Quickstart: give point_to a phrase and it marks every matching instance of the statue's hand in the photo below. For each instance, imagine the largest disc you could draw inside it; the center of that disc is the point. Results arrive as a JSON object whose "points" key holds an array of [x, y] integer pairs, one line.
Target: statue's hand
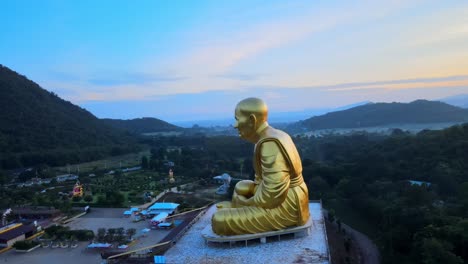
{"points": [[224, 204], [240, 200]]}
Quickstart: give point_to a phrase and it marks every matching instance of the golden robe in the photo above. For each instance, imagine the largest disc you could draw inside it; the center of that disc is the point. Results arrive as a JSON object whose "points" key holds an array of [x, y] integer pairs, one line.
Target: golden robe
{"points": [[280, 196]]}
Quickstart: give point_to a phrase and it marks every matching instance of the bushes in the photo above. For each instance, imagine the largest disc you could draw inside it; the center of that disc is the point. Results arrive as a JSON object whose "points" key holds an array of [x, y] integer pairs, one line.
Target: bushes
{"points": [[25, 245], [82, 235], [118, 235], [88, 198], [62, 232]]}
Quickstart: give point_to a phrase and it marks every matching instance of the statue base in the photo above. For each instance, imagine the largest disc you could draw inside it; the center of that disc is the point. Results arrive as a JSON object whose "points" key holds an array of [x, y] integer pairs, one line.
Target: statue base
{"points": [[304, 244], [297, 231]]}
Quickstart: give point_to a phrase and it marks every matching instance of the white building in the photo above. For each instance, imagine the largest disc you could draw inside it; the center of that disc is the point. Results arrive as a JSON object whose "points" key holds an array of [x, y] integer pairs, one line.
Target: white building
{"points": [[66, 177]]}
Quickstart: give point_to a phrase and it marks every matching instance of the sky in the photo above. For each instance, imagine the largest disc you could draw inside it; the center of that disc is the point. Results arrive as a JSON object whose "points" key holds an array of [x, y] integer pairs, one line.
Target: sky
{"points": [[194, 60]]}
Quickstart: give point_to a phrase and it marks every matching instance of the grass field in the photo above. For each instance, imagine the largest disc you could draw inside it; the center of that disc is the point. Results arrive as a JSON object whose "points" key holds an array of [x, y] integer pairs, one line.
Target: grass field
{"points": [[123, 161]]}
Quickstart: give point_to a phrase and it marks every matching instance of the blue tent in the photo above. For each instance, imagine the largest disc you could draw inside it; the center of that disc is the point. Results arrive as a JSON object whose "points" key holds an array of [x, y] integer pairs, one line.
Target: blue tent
{"points": [[159, 259]]}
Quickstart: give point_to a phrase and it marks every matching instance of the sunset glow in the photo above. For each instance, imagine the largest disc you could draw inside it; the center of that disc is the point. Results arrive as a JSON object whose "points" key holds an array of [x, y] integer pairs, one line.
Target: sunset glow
{"points": [[122, 59]]}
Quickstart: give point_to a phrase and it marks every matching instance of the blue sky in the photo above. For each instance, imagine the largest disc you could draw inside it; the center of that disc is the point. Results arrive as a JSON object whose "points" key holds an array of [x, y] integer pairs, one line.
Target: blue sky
{"points": [[193, 60]]}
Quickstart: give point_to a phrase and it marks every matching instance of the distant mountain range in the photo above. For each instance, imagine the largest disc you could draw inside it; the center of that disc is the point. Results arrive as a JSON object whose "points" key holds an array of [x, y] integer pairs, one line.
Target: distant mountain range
{"points": [[273, 117], [39, 127], [381, 114], [142, 125], [460, 100]]}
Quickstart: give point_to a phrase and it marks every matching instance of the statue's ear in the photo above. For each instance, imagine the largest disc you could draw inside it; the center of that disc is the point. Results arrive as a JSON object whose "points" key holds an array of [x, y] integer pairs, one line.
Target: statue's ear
{"points": [[253, 120]]}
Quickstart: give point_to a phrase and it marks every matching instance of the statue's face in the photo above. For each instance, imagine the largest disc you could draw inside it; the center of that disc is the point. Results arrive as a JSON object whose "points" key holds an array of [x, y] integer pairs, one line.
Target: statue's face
{"points": [[244, 125]]}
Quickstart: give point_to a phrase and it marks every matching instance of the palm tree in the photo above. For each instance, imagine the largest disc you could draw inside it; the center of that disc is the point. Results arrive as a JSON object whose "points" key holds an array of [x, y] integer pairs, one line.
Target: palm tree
{"points": [[131, 232], [111, 232], [101, 233], [119, 234]]}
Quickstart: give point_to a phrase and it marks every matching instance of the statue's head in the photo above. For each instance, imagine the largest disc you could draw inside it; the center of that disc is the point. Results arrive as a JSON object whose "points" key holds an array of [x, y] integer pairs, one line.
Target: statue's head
{"points": [[250, 114]]}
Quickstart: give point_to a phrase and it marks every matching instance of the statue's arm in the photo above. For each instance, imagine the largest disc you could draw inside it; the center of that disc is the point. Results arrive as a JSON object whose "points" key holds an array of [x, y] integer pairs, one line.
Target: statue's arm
{"points": [[273, 188]]}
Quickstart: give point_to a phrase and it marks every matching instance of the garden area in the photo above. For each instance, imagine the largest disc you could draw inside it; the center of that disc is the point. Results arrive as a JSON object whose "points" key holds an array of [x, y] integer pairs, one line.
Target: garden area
{"points": [[118, 236], [62, 236], [193, 198], [122, 189], [25, 245]]}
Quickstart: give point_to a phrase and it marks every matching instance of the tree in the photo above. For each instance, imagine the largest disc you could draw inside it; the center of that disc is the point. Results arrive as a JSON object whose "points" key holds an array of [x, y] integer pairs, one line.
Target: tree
{"points": [[65, 206], [101, 233], [317, 186], [88, 198], [144, 162], [114, 198], [3, 177], [110, 234], [131, 232], [26, 175], [119, 233], [347, 244], [331, 215], [433, 252]]}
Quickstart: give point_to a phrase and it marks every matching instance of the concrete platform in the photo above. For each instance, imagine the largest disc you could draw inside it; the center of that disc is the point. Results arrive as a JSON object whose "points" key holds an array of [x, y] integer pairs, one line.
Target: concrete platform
{"points": [[286, 247], [297, 231]]}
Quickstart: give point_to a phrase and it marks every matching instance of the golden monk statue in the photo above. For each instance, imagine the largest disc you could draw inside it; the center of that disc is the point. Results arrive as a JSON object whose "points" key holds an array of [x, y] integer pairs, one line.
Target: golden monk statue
{"points": [[278, 198]]}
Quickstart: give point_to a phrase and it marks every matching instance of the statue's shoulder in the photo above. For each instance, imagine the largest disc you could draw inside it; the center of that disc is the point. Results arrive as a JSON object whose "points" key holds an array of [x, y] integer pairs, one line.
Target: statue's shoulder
{"points": [[273, 134], [284, 143]]}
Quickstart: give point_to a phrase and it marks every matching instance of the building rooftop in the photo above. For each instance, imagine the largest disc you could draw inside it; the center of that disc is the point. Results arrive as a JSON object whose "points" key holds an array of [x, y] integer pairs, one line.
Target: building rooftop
{"points": [[420, 183], [15, 232], [163, 206]]}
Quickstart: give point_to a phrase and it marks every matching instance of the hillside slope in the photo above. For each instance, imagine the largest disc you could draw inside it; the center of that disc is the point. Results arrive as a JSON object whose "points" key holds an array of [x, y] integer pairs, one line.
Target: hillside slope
{"points": [[142, 125], [37, 123], [380, 114]]}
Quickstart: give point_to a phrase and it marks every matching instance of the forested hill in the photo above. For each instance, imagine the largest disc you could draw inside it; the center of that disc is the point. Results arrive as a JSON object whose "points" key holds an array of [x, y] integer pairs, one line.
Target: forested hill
{"points": [[39, 127], [142, 125], [368, 175], [381, 114]]}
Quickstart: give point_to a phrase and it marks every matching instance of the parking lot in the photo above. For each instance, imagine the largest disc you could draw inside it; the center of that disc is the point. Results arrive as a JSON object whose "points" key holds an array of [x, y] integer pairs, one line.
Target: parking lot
{"points": [[113, 218], [97, 218]]}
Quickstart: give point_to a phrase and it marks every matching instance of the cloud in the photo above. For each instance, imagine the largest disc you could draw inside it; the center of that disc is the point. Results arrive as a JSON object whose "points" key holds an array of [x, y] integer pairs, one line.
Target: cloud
{"points": [[220, 55], [220, 51], [134, 78], [240, 76], [223, 59], [400, 84], [447, 25], [220, 104], [115, 78]]}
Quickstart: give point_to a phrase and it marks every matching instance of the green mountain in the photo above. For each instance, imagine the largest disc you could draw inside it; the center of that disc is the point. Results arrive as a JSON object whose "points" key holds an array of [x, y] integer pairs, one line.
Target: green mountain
{"points": [[381, 114], [39, 127], [142, 125]]}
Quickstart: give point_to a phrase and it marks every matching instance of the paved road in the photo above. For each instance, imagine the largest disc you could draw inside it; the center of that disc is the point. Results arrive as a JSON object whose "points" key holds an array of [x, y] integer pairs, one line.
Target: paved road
{"points": [[368, 250]]}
